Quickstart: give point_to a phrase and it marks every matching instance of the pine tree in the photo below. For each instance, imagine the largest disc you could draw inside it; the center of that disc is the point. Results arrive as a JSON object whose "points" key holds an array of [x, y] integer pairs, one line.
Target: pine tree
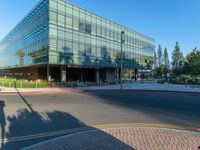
{"points": [[192, 65], [155, 60], [166, 59], [159, 56], [177, 60]]}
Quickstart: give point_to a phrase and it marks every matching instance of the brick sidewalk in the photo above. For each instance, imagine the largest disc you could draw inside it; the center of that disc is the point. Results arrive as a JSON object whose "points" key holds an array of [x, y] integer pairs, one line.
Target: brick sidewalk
{"points": [[125, 138]]}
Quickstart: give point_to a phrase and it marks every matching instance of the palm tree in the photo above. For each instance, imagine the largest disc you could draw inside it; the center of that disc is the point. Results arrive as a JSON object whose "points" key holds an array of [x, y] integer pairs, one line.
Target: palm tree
{"points": [[39, 56], [21, 54]]}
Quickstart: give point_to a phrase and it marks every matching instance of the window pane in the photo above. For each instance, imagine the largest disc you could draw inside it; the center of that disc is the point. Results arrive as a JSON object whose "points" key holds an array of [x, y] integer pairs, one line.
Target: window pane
{"points": [[68, 22], [53, 31], [88, 49], [75, 24], [68, 35], [68, 47], [75, 46], [94, 29], [53, 16], [88, 28], [61, 7], [61, 20], [68, 9], [75, 37], [61, 34], [53, 4], [81, 27], [75, 12]]}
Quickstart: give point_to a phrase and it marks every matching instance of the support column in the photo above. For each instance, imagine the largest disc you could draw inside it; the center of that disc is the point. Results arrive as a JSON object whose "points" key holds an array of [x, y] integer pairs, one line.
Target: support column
{"points": [[97, 75], [110, 75], [82, 74], [136, 74], [48, 73], [117, 74], [63, 73]]}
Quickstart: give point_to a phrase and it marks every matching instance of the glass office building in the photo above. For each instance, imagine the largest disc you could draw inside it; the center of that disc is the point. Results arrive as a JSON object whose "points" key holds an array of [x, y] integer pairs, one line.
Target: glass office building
{"points": [[61, 41]]}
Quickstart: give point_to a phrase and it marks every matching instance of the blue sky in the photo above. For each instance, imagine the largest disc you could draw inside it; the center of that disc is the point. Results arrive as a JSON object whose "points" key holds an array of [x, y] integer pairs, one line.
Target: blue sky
{"points": [[167, 21]]}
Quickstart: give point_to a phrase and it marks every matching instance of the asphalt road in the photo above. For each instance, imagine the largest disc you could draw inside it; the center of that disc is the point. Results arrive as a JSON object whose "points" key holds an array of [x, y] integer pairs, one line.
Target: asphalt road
{"points": [[29, 119]]}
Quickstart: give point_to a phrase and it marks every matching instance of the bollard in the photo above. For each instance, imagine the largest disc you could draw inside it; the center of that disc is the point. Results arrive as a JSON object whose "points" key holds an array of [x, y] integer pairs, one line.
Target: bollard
{"points": [[186, 82]]}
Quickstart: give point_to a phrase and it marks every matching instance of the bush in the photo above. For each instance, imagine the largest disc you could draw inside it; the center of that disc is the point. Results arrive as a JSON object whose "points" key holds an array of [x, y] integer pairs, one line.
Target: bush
{"points": [[13, 83], [182, 80], [161, 81]]}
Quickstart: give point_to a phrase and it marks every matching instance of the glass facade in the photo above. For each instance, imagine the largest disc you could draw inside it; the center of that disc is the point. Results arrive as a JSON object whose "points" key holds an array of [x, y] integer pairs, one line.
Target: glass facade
{"points": [[29, 36], [57, 32]]}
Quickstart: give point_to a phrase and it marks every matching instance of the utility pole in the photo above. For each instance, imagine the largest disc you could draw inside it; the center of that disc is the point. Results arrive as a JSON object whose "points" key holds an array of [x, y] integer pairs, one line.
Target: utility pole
{"points": [[121, 71]]}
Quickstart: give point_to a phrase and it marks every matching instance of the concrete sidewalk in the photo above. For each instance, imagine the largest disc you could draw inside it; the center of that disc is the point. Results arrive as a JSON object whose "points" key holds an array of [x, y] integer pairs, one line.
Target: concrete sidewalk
{"points": [[126, 86]]}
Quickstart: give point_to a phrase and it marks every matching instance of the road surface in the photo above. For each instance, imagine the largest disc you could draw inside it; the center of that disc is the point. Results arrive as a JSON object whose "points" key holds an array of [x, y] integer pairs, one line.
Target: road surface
{"points": [[29, 119]]}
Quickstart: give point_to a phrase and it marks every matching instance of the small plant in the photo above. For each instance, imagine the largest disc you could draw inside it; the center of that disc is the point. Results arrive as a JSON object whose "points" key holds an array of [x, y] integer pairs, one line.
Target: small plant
{"points": [[161, 81]]}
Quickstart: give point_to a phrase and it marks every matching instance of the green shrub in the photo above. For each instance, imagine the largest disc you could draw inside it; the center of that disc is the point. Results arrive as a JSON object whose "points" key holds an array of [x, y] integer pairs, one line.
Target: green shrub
{"points": [[13, 83], [182, 80], [161, 81]]}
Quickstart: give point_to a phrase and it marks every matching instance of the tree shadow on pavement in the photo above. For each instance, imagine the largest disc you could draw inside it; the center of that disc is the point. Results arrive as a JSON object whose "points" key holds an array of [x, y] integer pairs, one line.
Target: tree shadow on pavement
{"points": [[2, 123], [30, 127], [24, 100]]}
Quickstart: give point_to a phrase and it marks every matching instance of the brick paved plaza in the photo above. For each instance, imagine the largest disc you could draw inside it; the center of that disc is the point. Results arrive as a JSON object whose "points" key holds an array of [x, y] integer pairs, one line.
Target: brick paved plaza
{"points": [[125, 138]]}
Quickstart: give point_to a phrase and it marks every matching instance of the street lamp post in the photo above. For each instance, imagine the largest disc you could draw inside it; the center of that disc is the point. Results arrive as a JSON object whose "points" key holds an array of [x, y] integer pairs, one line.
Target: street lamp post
{"points": [[122, 41]]}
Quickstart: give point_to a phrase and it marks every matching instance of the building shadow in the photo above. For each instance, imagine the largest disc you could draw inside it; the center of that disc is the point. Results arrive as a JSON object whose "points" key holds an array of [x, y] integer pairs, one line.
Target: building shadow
{"points": [[2, 123], [30, 127], [170, 108]]}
